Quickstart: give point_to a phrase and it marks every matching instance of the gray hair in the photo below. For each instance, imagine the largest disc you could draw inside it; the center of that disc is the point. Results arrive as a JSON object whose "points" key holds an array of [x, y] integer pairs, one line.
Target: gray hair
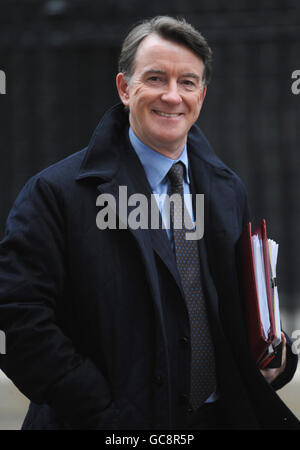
{"points": [[176, 30]]}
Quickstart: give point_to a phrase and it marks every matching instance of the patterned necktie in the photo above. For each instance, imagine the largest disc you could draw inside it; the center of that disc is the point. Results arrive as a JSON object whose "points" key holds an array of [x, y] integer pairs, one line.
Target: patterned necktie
{"points": [[203, 379]]}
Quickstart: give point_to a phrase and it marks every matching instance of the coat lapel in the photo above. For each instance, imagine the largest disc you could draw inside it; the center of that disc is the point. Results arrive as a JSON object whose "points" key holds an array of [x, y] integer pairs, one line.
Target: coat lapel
{"points": [[131, 174], [213, 179], [202, 183], [111, 160]]}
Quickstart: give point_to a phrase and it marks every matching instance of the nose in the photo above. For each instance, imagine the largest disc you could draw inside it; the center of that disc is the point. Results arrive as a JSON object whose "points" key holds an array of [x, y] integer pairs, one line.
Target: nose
{"points": [[171, 94]]}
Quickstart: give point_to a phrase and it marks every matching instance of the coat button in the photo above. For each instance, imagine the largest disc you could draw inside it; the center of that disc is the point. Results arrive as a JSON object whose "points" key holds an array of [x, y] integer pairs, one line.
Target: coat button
{"points": [[157, 379], [183, 399], [184, 341]]}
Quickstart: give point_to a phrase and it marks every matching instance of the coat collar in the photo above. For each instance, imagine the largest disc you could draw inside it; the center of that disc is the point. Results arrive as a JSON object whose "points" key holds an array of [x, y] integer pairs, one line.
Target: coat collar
{"points": [[109, 146], [103, 154]]}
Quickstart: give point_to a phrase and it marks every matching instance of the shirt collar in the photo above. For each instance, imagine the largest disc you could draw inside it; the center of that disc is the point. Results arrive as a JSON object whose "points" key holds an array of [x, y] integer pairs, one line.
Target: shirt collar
{"points": [[155, 164]]}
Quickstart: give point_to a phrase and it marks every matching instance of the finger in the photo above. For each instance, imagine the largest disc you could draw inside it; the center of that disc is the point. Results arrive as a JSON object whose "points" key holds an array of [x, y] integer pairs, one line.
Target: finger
{"points": [[283, 338]]}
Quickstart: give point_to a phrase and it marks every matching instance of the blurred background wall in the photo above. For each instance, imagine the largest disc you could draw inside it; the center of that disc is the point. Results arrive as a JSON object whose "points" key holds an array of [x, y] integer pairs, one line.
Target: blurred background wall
{"points": [[60, 60]]}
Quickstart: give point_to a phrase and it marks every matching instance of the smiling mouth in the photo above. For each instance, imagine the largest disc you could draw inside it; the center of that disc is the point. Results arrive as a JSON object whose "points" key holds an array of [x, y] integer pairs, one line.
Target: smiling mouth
{"points": [[169, 115]]}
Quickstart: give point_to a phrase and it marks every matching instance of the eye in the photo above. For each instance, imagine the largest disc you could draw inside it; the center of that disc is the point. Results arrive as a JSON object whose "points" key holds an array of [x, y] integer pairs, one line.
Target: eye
{"points": [[188, 84], [154, 78]]}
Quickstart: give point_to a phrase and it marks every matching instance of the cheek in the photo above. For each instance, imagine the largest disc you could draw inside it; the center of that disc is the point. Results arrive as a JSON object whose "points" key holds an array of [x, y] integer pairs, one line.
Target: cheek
{"points": [[197, 105], [194, 102], [136, 100], [142, 95], [138, 92], [199, 100]]}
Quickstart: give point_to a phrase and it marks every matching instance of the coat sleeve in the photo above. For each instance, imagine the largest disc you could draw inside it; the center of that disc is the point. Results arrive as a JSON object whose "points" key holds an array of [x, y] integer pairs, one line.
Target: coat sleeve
{"points": [[290, 369], [40, 359]]}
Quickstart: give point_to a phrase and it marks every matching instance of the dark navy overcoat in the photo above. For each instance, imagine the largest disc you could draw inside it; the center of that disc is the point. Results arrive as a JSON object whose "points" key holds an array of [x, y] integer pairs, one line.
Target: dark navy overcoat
{"points": [[97, 331]]}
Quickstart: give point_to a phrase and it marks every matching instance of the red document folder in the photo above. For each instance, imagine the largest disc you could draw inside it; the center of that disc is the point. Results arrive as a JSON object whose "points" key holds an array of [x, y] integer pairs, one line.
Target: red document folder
{"points": [[260, 343]]}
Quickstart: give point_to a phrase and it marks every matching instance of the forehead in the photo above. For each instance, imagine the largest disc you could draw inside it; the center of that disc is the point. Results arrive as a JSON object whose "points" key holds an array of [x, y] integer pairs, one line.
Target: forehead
{"points": [[155, 50]]}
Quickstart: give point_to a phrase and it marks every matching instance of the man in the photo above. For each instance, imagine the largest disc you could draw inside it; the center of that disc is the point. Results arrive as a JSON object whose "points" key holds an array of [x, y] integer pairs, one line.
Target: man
{"points": [[109, 327]]}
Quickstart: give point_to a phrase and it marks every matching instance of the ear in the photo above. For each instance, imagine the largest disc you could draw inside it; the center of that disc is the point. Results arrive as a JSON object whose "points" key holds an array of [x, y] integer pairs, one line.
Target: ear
{"points": [[202, 95], [123, 88]]}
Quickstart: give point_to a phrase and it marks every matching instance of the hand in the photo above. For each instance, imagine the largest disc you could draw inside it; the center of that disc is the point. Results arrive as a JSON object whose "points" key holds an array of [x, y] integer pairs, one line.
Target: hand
{"points": [[271, 374]]}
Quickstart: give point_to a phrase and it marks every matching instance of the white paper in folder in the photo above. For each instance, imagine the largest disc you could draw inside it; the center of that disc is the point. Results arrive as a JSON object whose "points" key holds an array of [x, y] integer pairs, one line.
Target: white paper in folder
{"points": [[261, 286], [273, 253]]}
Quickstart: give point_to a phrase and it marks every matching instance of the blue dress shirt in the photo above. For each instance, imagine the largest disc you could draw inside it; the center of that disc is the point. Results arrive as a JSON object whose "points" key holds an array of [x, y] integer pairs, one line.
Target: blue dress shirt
{"points": [[156, 167]]}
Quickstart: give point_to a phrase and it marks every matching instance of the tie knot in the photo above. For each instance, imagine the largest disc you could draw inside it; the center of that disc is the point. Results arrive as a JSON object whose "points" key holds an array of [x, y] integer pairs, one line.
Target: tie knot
{"points": [[176, 174]]}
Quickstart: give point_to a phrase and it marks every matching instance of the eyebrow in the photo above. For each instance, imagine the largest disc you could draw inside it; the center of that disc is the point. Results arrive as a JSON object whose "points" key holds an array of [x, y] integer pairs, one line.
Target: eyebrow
{"points": [[162, 72], [192, 75], [157, 71]]}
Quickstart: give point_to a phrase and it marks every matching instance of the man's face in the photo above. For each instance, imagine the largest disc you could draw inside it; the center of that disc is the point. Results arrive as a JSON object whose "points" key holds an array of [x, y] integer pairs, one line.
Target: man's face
{"points": [[164, 94]]}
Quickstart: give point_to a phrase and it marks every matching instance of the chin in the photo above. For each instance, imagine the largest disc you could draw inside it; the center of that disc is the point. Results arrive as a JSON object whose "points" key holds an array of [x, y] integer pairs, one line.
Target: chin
{"points": [[170, 140]]}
